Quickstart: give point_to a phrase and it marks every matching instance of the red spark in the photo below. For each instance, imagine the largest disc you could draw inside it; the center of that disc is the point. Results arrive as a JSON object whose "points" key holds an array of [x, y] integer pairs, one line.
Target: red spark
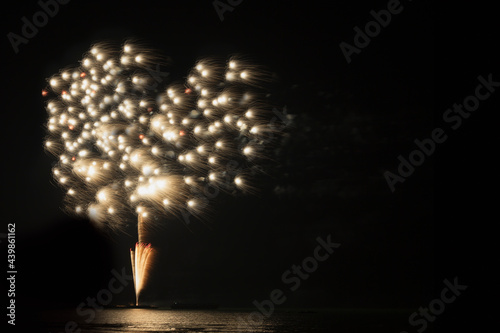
{"points": [[64, 92], [187, 91], [82, 74], [73, 158], [44, 92], [182, 133], [71, 127], [150, 109], [141, 136]]}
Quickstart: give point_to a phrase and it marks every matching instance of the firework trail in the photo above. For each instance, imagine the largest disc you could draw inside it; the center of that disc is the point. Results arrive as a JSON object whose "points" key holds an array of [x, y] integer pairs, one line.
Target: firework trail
{"points": [[125, 146], [141, 258]]}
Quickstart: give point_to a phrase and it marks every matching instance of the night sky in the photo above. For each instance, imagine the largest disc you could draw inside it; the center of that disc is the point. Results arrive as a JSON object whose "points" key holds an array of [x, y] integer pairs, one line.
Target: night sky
{"points": [[350, 124]]}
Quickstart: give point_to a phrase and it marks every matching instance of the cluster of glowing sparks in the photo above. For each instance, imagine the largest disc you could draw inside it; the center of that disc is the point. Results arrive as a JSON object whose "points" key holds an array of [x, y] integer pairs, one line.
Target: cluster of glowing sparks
{"points": [[125, 146]]}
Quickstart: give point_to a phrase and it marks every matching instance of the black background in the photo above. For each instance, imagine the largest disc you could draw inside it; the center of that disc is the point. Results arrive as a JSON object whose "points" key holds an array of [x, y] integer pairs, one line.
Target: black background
{"points": [[352, 121]]}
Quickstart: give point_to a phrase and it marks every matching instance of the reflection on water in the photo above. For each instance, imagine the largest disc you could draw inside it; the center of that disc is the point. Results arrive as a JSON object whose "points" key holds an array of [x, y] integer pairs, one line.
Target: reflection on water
{"points": [[150, 320], [161, 320]]}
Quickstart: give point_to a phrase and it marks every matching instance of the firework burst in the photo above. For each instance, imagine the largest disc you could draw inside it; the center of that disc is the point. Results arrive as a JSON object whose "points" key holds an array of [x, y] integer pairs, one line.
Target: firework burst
{"points": [[126, 146], [123, 147]]}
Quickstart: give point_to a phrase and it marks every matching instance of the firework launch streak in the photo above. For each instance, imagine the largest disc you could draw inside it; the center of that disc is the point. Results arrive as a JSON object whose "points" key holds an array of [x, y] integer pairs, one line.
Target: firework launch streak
{"points": [[11, 274]]}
